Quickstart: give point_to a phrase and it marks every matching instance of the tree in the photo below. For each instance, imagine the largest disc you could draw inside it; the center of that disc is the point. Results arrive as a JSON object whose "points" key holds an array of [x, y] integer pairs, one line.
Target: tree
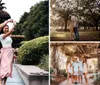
{"points": [[64, 9], [1, 5], [98, 51], [3, 15], [54, 61], [21, 24], [90, 10], [35, 23]]}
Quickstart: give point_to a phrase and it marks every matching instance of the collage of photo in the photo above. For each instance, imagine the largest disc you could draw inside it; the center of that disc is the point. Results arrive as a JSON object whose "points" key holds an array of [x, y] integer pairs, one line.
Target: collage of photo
{"points": [[74, 42], [50, 42]]}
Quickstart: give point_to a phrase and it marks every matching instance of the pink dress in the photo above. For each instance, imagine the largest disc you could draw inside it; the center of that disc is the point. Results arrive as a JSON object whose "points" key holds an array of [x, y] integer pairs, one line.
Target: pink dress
{"points": [[6, 57]]}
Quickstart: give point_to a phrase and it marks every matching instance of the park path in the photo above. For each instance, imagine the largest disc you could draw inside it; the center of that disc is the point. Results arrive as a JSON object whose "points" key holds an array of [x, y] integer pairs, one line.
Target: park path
{"points": [[90, 82], [16, 79]]}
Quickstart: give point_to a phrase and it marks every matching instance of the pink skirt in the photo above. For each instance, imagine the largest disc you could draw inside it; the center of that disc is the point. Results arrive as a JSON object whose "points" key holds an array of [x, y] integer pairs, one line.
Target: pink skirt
{"points": [[6, 62]]}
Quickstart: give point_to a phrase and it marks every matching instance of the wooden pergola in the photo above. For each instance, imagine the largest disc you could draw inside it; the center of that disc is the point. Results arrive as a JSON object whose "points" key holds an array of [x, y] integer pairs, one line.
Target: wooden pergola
{"points": [[89, 50]]}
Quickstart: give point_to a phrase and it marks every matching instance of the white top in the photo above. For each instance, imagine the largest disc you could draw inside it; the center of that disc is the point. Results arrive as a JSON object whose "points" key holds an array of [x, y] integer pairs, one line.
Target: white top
{"points": [[69, 67], [80, 66], [7, 42], [84, 68], [76, 66], [75, 21]]}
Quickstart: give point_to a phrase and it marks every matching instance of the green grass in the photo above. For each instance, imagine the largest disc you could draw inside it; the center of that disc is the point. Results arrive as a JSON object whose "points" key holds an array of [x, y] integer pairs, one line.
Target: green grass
{"points": [[84, 36]]}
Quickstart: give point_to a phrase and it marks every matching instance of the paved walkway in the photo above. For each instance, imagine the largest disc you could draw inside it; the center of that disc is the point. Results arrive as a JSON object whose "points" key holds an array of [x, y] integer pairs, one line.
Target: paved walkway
{"points": [[90, 82], [16, 79]]}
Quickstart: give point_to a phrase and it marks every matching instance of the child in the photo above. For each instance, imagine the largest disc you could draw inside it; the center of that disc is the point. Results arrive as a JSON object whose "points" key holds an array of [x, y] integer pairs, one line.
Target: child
{"points": [[75, 71], [80, 69]]}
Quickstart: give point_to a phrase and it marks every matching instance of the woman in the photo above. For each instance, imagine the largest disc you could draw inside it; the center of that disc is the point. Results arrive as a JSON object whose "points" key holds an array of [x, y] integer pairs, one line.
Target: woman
{"points": [[85, 69], [6, 51], [71, 28], [68, 69]]}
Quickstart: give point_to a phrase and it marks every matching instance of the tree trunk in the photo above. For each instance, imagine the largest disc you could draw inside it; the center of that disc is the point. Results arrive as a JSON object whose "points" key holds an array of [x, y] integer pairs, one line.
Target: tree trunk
{"points": [[98, 51], [84, 26], [54, 61], [53, 56], [65, 24], [97, 27]]}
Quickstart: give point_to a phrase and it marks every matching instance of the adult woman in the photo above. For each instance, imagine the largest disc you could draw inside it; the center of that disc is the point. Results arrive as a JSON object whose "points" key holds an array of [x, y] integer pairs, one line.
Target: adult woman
{"points": [[71, 28], [85, 69], [6, 51]]}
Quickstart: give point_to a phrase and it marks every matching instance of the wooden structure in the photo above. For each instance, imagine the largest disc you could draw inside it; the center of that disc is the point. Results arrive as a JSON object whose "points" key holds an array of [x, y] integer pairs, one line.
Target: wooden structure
{"points": [[89, 50], [61, 51]]}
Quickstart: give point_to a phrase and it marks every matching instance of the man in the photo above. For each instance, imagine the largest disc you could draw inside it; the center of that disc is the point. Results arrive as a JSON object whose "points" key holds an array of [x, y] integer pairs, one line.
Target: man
{"points": [[75, 24], [81, 69]]}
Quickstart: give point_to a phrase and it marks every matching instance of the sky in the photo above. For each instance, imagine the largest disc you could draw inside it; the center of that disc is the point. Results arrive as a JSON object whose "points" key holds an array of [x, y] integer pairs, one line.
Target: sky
{"points": [[16, 8]]}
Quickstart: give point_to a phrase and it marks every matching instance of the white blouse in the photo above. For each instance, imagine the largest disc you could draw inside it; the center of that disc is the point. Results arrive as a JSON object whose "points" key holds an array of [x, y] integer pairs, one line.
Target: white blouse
{"points": [[69, 68], [7, 42], [85, 69]]}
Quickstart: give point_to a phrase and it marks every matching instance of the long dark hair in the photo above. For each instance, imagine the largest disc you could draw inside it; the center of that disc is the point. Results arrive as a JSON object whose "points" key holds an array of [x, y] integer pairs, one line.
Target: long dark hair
{"points": [[1, 32]]}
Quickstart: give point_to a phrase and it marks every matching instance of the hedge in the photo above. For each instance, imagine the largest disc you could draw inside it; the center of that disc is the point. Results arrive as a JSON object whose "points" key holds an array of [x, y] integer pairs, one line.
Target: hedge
{"points": [[31, 52], [44, 63]]}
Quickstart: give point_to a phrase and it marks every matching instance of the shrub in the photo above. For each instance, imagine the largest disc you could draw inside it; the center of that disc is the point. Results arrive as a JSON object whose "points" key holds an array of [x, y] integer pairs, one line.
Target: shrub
{"points": [[64, 73], [44, 63], [51, 70], [97, 81], [30, 52]]}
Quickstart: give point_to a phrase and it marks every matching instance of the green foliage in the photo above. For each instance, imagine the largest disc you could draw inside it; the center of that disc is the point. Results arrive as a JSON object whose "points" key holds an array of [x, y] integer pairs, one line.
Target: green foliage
{"points": [[87, 11], [44, 63], [35, 23], [64, 73], [2, 5], [31, 52], [97, 81], [51, 70]]}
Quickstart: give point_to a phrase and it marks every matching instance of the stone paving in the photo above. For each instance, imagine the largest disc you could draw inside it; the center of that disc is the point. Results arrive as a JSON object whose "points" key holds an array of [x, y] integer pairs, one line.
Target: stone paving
{"points": [[16, 79], [90, 82]]}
